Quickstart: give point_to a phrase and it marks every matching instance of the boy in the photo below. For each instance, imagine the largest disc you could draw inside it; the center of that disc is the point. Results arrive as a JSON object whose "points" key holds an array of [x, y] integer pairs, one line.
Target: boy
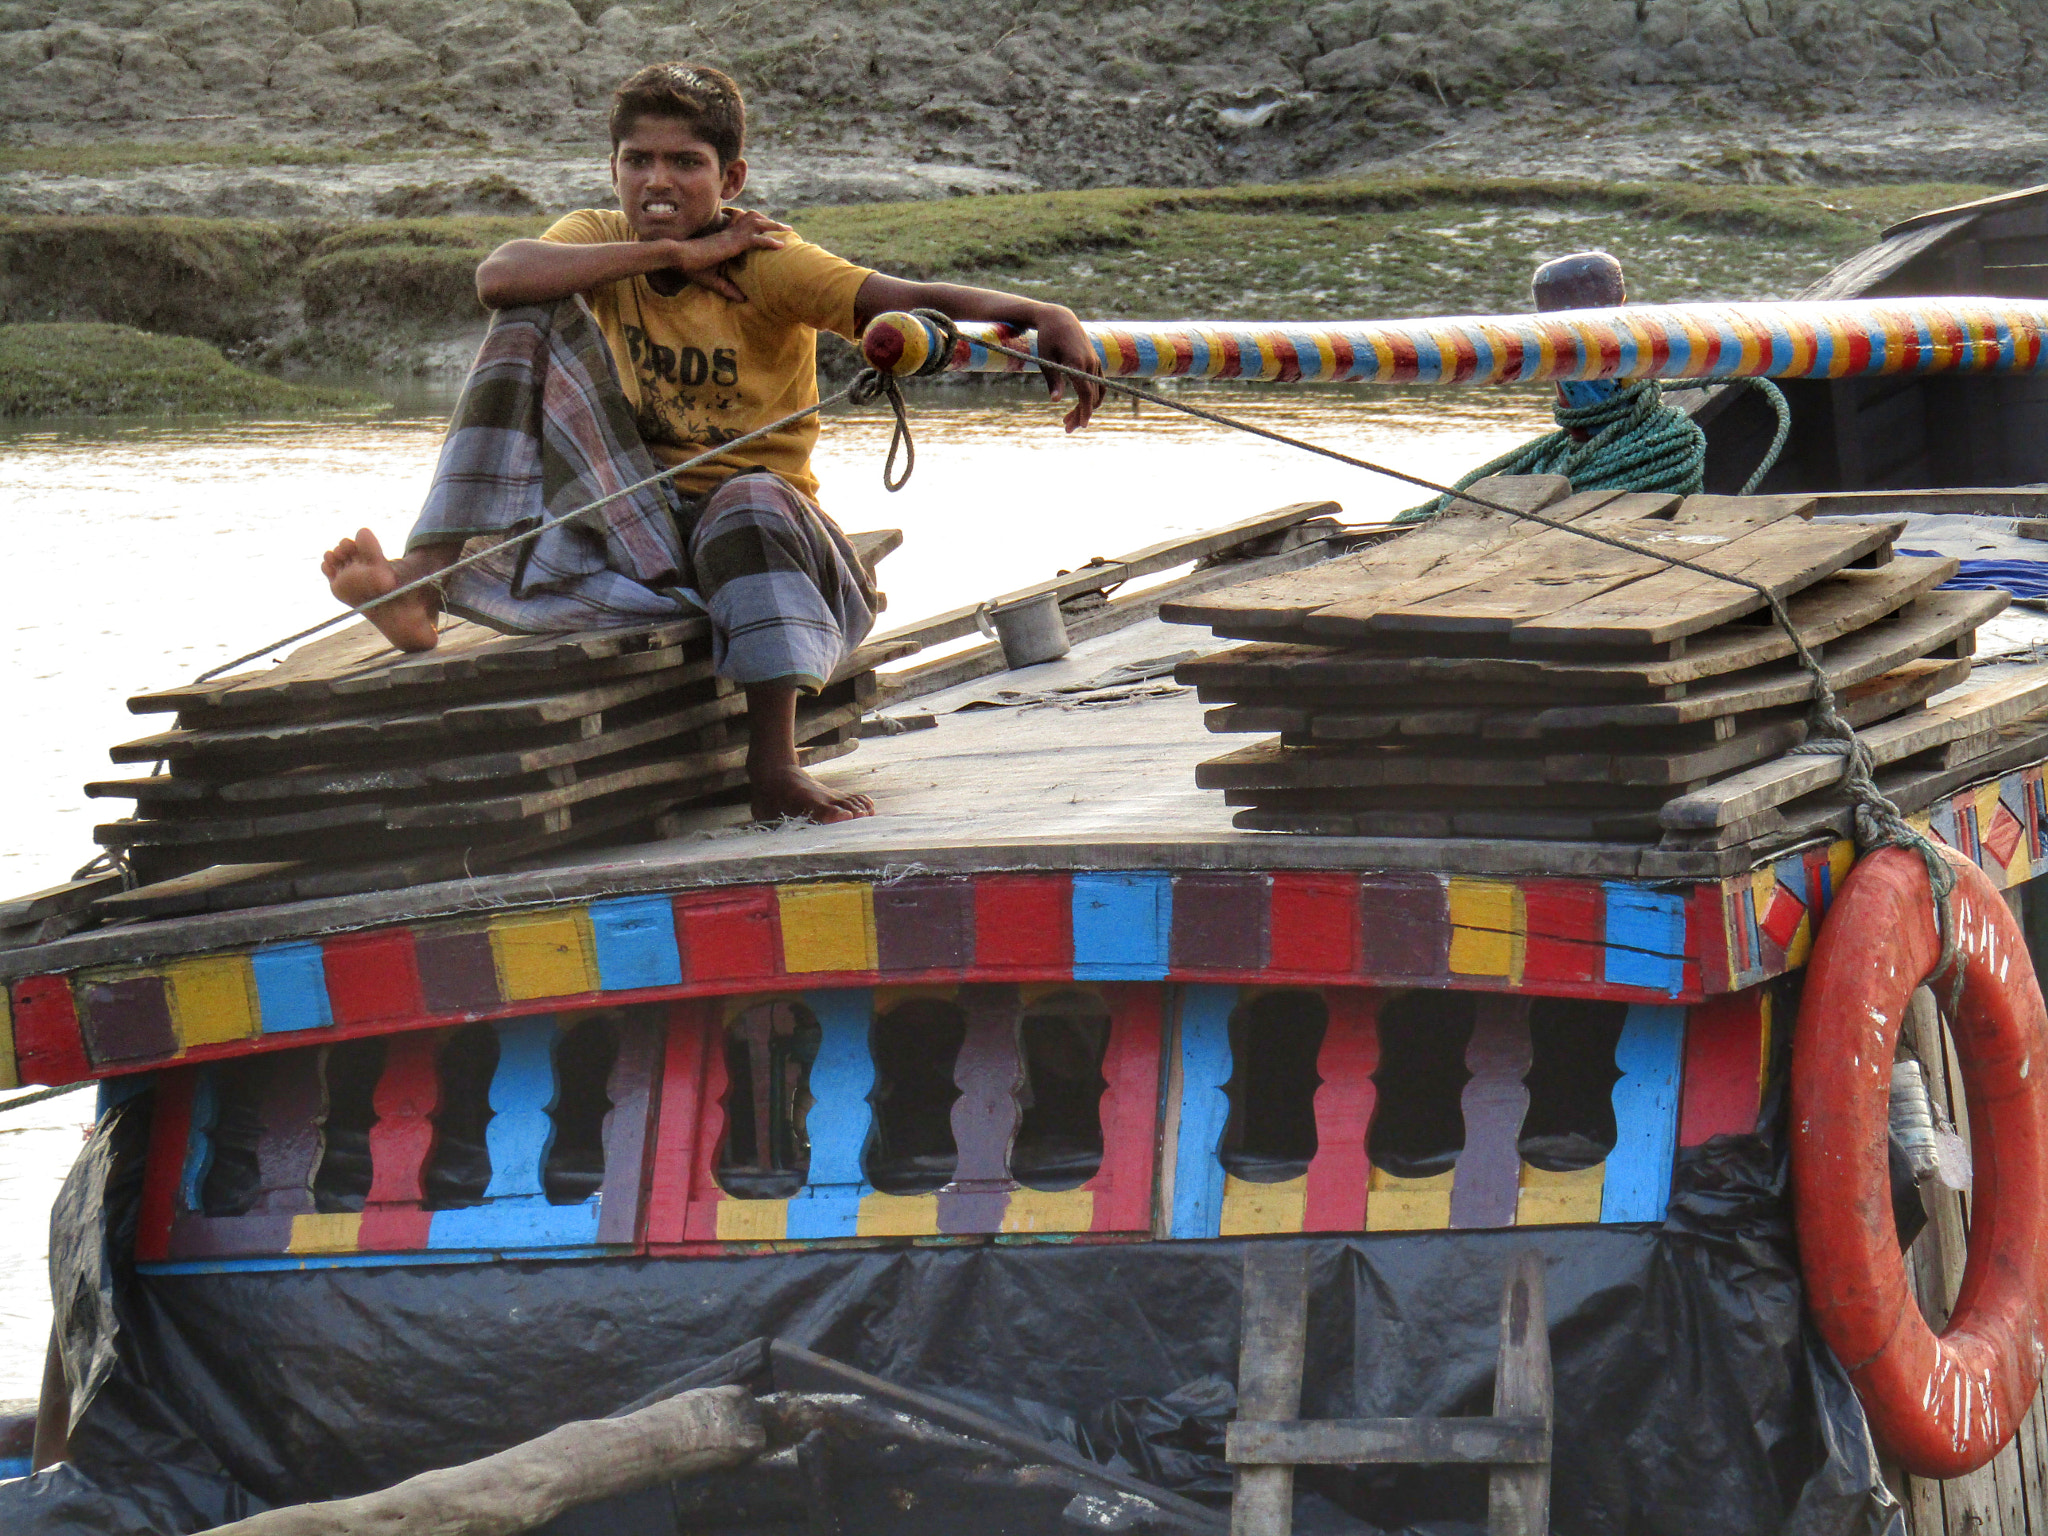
{"points": [[639, 338]]}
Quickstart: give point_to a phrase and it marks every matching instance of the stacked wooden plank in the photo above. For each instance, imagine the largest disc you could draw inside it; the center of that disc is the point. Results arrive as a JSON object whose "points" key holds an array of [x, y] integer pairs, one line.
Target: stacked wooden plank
{"points": [[353, 766], [1484, 676]]}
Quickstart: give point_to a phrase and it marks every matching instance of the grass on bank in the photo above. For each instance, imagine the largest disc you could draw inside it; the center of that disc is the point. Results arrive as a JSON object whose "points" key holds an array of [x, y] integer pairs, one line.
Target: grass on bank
{"points": [[1383, 247], [113, 370]]}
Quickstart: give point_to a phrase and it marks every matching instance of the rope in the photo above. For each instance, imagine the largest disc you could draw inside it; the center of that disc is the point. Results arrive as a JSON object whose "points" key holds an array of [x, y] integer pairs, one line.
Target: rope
{"points": [[47, 1093], [1878, 822], [1630, 441]]}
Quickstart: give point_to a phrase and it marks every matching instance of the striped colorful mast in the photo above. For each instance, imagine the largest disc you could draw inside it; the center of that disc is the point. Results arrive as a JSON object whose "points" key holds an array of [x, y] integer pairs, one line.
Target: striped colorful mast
{"points": [[1814, 340]]}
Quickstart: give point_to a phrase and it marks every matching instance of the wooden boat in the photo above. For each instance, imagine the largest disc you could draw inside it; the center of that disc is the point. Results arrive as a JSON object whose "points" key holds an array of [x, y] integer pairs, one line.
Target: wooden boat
{"points": [[1010, 1097]]}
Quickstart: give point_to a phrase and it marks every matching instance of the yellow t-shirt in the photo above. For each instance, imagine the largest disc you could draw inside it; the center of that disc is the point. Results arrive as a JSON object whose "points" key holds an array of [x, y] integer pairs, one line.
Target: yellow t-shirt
{"points": [[700, 370]]}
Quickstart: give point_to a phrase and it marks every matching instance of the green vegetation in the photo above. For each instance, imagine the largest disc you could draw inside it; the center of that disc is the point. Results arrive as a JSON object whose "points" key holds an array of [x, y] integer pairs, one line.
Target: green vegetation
{"points": [[415, 271], [1385, 247], [113, 370]]}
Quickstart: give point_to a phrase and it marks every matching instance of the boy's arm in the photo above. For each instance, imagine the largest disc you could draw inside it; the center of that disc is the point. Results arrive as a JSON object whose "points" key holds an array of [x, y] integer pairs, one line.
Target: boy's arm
{"points": [[541, 271], [1060, 336]]}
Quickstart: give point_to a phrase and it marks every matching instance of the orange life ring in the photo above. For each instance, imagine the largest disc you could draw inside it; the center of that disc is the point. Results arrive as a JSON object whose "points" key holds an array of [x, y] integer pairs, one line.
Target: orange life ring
{"points": [[1943, 1406]]}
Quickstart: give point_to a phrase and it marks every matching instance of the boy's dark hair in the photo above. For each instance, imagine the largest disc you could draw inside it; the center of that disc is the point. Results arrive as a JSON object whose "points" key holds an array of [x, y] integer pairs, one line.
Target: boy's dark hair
{"points": [[696, 94]]}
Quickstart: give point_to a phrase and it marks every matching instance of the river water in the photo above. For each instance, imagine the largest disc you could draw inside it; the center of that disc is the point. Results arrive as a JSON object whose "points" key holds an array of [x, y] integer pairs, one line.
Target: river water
{"points": [[146, 551]]}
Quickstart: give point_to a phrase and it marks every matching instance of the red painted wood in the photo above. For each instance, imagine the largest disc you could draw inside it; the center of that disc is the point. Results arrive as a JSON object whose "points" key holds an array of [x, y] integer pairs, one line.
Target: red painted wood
{"points": [[393, 1229], [373, 977], [48, 1049], [732, 936], [1131, 1065], [170, 1132], [1550, 962], [1339, 1173], [631, 1090], [677, 1114], [402, 1140], [1313, 928], [1724, 1044], [1023, 924], [1565, 909], [705, 1191]]}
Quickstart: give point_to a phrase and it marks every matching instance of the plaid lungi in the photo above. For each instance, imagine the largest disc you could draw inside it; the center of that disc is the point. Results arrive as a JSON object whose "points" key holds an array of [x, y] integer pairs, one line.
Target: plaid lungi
{"points": [[542, 428]]}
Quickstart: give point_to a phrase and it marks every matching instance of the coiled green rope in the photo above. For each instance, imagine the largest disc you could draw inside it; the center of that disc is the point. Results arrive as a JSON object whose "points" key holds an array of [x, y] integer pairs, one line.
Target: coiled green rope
{"points": [[1634, 442]]}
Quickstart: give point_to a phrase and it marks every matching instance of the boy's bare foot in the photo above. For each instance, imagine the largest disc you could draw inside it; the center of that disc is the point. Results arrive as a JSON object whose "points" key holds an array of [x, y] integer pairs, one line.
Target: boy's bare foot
{"points": [[356, 571], [789, 791]]}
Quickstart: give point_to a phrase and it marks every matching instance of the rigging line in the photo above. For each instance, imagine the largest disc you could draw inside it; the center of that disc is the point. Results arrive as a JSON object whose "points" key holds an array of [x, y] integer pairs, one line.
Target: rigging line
{"points": [[1878, 821], [859, 391]]}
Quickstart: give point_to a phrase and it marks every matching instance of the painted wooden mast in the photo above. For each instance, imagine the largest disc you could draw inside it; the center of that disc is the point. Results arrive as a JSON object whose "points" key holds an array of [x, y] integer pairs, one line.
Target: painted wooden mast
{"points": [[1814, 340]]}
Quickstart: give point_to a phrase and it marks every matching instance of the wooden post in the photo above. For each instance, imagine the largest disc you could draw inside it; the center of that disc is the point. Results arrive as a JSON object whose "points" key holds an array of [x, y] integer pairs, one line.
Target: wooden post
{"points": [[529, 1485], [1269, 1378], [1518, 1496], [1266, 1442]]}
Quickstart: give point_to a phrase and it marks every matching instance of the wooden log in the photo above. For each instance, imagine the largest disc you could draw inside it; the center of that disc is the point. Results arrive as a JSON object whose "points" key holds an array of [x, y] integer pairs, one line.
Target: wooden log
{"points": [[1518, 1497], [516, 1490], [1388, 1442], [1269, 1366]]}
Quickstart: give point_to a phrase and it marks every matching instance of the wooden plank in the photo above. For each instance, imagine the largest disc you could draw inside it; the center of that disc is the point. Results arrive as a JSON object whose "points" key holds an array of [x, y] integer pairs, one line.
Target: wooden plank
{"points": [[1118, 613], [1272, 1348], [1772, 784], [321, 739], [1783, 558], [1354, 615], [407, 1097], [1284, 601], [1518, 1497], [1387, 1442], [1570, 573], [1845, 603], [1494, 1101], [1099, 574], [1921, 628], [293, 1116]]}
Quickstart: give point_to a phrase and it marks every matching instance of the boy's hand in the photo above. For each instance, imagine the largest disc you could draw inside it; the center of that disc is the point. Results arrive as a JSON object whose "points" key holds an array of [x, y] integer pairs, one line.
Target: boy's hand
{"points": [[1062, 340], [700, 258]]}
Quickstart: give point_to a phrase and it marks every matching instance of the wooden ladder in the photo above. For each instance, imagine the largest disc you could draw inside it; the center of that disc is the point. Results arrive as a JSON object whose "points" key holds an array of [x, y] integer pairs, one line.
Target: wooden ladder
{"points": [[1268, 1440]]}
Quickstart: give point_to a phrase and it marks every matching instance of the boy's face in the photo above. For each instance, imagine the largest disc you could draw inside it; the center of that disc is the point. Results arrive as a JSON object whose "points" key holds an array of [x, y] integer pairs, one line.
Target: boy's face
{"points": [[669, 181]]}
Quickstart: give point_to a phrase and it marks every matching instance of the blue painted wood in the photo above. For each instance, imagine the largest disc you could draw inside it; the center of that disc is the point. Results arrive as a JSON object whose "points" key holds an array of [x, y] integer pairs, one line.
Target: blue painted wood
{"points": [[1637, 1185], [1645, 938], [199, 1141], [1123, 925], [291, 987], [841, 1115], [515, 1224], [522, 1092], [1205, 1066], [636, 943]]}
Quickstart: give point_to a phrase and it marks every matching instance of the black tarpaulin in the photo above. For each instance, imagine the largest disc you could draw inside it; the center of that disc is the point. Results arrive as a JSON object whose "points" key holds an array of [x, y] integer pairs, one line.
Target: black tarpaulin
{"points": [[1691, 1396]]}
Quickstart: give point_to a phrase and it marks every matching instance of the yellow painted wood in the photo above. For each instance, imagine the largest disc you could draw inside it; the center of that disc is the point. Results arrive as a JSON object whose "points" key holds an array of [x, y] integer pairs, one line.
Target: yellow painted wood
{"points": [[1050, 1210], [10, 1076], [898, 1216], [1841, 859], [1489, 929], [1802, 942], [1249, 1209], [335, 1232], [1763, 1055], [544, 954], [753, 1221], [827, 927], [1552, 1199], [212, 999], [1409, 1205], [891, 997]]}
